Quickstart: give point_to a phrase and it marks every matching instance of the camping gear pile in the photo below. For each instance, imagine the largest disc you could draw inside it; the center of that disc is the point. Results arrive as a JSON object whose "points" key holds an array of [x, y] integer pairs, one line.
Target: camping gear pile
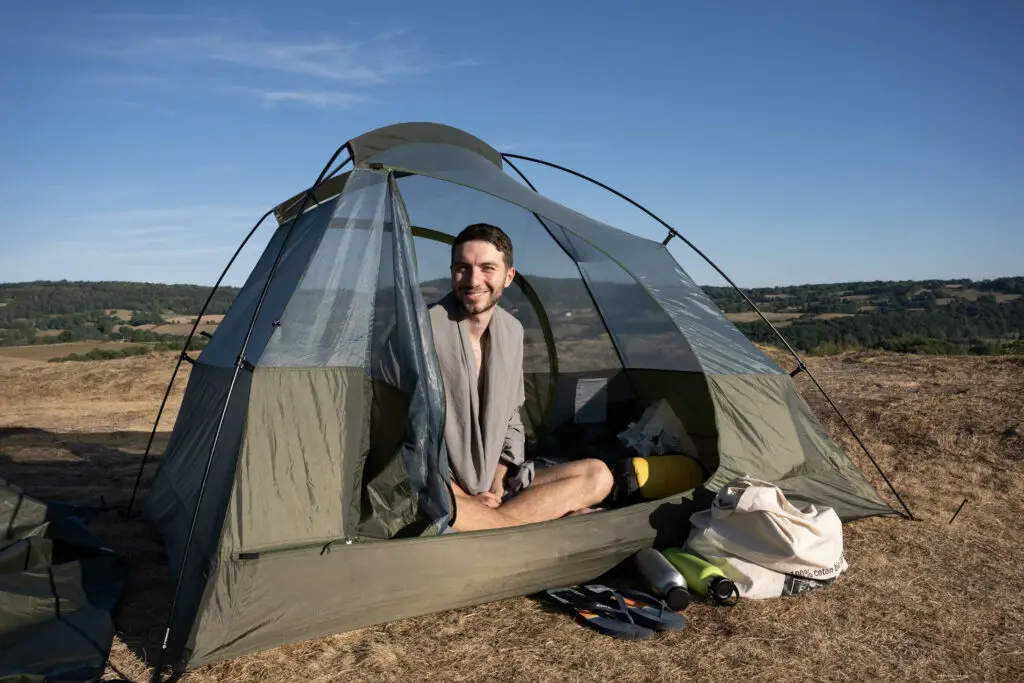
{"points": [[298, 487], [751, 543], [59, 588]]}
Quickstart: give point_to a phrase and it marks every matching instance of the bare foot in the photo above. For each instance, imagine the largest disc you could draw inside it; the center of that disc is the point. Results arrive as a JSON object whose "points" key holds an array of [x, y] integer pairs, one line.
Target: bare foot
{"points": [[584, 511]]}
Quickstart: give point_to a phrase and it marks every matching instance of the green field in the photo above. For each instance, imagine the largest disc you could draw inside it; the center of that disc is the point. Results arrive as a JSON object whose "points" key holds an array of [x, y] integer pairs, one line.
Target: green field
{"points": [[45, 352]]}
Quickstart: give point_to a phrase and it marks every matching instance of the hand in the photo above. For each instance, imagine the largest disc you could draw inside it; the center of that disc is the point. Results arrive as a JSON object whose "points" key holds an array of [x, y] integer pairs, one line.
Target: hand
{"points": [[498, 485], [489, 499]]}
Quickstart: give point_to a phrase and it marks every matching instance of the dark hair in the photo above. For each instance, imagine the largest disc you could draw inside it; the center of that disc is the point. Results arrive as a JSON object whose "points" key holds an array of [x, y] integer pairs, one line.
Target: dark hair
{"points": [[485, 232]]}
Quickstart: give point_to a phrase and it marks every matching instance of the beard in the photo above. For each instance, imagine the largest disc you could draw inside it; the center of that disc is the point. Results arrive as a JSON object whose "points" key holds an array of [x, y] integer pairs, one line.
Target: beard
{"points": [[479, 305]]}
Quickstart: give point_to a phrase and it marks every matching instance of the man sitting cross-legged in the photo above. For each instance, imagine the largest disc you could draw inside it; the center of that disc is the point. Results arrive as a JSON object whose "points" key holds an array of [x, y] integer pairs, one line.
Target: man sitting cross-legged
{"points": [[480, 351]]}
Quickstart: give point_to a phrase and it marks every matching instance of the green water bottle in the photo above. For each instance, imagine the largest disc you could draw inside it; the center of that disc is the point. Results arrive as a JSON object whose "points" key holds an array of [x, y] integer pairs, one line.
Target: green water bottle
{"points": [[702, 577]]}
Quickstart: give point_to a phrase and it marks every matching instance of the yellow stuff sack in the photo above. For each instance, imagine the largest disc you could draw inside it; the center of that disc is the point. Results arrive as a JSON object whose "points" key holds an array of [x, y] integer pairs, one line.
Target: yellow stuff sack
{"points": [[656, 477]]}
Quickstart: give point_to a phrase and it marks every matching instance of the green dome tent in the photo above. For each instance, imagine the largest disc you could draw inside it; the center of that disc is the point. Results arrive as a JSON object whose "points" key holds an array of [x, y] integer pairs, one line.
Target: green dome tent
{"points": [[299, 495]]}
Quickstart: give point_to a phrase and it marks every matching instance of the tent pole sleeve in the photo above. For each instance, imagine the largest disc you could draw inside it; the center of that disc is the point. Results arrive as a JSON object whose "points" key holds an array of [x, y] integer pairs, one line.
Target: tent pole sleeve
{"points": [[675, 233], [184, 351], [241, 362]]}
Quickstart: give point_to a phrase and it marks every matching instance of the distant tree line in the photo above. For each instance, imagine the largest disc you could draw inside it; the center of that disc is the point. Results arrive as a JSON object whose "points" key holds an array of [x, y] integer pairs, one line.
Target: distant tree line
{"points": [[931, 316], [81, 310], [37, 300], [980, 327], [849, 297]]}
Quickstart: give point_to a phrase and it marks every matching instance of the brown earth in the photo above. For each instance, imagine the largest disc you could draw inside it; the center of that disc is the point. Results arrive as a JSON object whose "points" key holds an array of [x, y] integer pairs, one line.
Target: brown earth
{"points": [[923, 600]]}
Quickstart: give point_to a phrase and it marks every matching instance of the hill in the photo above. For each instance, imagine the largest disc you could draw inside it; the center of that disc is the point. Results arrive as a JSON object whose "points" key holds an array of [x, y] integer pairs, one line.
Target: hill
{"points": [[929, 316], [61, 312], [926, 316], [923, 600]]}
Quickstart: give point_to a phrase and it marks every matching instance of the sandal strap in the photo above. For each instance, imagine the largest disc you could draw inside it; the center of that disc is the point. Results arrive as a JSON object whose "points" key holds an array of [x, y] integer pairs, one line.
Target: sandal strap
{"points": [[646, 597], [580, 602]]}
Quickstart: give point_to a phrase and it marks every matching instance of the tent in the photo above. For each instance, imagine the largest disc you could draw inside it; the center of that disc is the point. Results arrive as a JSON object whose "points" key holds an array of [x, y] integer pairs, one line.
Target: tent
{"points": [[300, 495]]}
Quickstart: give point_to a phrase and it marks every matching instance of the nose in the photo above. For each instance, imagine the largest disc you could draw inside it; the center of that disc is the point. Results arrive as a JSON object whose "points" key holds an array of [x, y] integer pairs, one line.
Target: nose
{"points": [[477, 278]]}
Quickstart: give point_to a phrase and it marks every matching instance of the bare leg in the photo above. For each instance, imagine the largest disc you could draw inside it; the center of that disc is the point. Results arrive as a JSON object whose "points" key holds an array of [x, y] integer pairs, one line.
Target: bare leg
{"points": [[473, 515], [559, 490]]}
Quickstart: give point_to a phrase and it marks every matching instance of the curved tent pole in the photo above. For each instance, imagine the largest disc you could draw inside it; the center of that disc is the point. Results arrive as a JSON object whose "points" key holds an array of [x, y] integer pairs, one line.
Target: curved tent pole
{"points": [[801, 366], [239, 365]]}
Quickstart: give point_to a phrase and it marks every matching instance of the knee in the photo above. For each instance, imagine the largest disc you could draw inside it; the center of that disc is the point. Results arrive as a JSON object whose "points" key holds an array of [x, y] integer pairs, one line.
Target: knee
{"points": [[600, 477]]}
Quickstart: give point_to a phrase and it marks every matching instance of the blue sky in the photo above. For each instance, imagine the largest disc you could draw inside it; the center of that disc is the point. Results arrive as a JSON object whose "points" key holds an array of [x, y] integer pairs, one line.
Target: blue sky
{"points": [[793, 142]]}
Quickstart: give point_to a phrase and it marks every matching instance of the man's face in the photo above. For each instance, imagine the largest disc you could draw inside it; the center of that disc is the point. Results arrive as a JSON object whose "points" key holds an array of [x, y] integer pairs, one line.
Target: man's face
{"points": [[479, 276]]}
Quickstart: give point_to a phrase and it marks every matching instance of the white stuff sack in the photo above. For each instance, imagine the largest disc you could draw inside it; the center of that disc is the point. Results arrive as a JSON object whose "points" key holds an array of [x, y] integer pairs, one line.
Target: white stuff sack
{"points": [[659, 431], [766, 545]]}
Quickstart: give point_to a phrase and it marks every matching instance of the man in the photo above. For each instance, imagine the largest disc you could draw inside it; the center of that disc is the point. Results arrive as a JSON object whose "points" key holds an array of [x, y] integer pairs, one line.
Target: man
{"points": [[480, 352]]}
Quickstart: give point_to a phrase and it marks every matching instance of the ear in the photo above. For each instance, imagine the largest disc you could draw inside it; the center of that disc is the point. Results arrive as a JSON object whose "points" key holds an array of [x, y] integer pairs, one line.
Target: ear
{"points": [[509, 276]]}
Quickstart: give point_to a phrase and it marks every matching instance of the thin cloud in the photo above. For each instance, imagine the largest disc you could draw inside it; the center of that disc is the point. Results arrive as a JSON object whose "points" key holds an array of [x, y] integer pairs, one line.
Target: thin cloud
{"points": [[216, 57], [315, 98], [378, 60], [153, 243]]}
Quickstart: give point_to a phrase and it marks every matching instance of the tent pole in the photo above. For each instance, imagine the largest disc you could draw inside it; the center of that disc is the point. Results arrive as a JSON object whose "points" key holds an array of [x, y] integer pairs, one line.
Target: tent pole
{"points": [[239, 364], [675, 233], [184, 352]]}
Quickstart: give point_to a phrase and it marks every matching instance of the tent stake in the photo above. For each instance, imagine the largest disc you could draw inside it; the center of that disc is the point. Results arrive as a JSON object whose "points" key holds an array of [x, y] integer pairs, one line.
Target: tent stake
{"points": [[958, 510], [675, 233]]}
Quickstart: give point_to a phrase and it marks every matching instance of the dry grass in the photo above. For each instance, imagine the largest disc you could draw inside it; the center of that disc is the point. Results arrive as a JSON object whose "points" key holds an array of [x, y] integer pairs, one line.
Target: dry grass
{"points": [[975, 294], [923, 600], [752, 316], [91, 397], [833, 316], [124, 314], [173, 328]]}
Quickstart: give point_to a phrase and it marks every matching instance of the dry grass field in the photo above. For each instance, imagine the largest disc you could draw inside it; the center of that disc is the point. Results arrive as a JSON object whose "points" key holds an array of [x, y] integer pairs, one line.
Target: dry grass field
{"points": [[177, 328], [778, 319], [923, 600]]}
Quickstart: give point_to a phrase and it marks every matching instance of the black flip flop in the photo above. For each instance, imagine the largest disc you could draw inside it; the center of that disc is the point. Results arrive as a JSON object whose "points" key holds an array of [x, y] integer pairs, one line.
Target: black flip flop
{"points": [[645, 610], [611, 620]]}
